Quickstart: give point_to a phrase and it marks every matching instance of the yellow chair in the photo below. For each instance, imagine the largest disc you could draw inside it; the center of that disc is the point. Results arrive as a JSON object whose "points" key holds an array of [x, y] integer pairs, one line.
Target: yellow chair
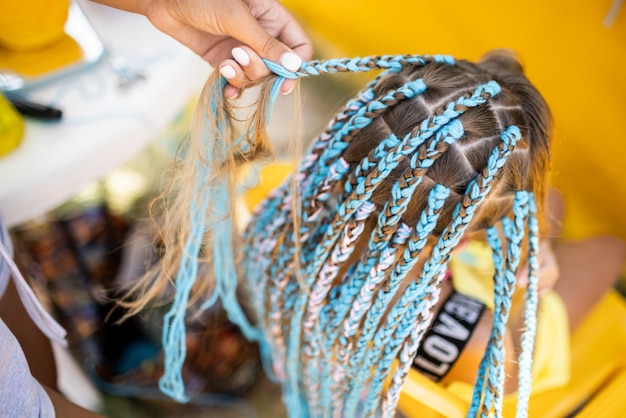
{"points": [[572, 53], [596, 387]]}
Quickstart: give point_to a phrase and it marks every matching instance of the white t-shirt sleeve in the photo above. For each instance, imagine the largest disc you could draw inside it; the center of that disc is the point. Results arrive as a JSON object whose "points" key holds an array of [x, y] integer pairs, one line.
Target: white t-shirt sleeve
{"points": [[21, 395]]}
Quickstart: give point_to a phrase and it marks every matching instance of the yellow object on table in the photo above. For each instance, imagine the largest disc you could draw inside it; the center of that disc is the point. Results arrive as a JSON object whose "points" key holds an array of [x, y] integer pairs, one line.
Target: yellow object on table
{"points": [[33, 41], [11, 127], [571, 52], [34, 63], [30, 24]]}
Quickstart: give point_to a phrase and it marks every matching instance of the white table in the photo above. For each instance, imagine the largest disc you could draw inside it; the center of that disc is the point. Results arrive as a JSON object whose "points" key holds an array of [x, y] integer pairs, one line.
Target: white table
{"points": [[103, 126]]}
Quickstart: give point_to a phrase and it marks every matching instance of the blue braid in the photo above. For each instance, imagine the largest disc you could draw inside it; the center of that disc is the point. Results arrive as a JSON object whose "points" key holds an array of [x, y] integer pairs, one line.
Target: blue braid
{"points": [[266, 213], [493, 239], [503, 290], [402, 192], [305, 221], [407, 146], [430, 126], [410, 256], [321, 143], [361, 119], [173, 338], [394, 63], [364, 300], [514, 232], [341, 253], [530, 312], [358, 120]]}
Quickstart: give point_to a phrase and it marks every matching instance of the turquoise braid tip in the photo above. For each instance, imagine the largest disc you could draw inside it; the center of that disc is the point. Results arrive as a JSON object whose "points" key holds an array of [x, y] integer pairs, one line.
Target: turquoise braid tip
{"points": [[280, 70], [175, 390], [513, 132], [455, 129], [493, 87]]}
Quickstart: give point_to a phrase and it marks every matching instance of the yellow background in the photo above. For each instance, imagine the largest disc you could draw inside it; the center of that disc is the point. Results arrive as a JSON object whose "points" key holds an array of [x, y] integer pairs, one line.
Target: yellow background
{"points": [[575, 61]]}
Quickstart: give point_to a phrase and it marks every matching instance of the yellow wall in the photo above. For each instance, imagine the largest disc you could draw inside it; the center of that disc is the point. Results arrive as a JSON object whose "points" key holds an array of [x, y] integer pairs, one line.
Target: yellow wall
{"points": [[577, 63]]}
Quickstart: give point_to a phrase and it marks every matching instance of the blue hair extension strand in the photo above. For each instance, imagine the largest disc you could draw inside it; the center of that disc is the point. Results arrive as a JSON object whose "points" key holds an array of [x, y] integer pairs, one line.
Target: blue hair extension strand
{"points": [[494, 241], [530, 312]]}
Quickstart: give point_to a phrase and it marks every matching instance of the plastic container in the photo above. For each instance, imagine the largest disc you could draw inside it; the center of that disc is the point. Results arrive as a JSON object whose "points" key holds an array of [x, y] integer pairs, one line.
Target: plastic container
{"points": [[11, 126]]}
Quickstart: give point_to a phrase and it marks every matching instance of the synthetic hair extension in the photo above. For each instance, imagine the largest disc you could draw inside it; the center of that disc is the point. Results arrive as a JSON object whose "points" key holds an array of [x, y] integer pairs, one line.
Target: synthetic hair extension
{"points": [[530, 311], [342, 264]]}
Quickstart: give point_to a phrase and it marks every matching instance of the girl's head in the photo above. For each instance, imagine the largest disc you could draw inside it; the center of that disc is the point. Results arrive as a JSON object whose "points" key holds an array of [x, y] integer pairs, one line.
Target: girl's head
{"points": [[424, 155], [518, 103], [430, 150]]}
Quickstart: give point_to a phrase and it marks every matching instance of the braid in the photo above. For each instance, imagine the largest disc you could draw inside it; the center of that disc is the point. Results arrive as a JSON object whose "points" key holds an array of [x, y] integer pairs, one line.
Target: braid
{"points": [[409, 258], [404, 189], [351, 108], [340, 254], [361, 118], [493, 239], [346, 347], [258, 279], [514, 232], [530, 312], [346, 210], [394, 63]]}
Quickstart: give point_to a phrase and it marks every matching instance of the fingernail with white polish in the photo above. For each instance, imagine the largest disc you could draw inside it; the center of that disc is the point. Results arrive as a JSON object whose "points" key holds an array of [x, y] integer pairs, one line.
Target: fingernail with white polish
{"points": [[290, 61], [240, 56], [228, 72], [288, 91]]}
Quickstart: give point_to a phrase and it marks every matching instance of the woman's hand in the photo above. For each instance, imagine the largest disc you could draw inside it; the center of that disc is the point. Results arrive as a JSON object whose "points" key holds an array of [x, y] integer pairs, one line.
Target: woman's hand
{"points": [[256, 28], [212, 28]]}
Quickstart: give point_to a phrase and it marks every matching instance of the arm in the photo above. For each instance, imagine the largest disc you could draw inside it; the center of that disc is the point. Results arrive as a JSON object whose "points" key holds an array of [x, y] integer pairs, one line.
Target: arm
{"points": [[32, 358], [67, 409], [589, 267]]}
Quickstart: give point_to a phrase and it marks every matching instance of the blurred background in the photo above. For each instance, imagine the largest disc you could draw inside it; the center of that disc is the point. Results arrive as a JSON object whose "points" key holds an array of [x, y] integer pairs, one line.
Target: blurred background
{"points": [[75, 187]]}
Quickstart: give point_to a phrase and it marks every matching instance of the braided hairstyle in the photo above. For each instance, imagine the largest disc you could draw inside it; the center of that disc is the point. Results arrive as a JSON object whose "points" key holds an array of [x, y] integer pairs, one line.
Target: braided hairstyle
{"points": [[343, 270], [434, 151]]}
